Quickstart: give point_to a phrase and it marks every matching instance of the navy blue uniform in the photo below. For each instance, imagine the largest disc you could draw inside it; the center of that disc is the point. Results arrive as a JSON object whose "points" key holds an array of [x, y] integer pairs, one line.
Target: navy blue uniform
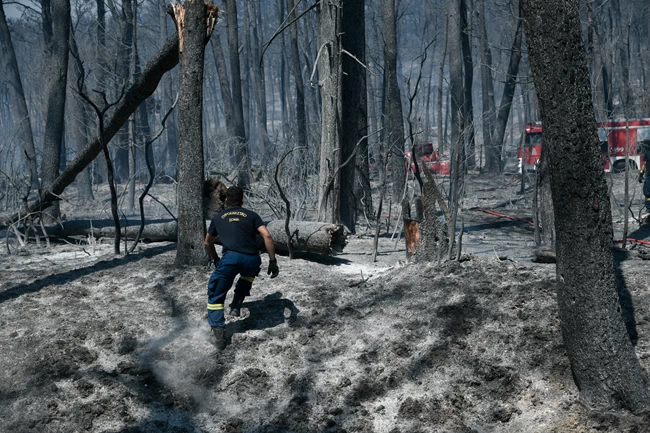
{"points": [[236, 228]]}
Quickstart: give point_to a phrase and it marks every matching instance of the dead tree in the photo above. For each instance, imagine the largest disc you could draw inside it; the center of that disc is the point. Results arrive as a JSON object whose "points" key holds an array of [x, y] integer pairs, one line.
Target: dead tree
{"points": [[393, 101], [329, 70], [496, 141], [603, 362], [56, 31], [194, 21], [241, 152]]}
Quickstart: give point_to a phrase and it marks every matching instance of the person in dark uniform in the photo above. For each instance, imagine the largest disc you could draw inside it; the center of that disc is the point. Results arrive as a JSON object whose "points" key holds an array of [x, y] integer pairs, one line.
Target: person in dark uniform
{"points": [[237, 229]]}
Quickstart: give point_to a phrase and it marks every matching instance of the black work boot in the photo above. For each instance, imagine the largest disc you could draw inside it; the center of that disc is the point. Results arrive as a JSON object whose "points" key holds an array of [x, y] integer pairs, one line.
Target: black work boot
{"points": [[235, 306], [220, 338]]}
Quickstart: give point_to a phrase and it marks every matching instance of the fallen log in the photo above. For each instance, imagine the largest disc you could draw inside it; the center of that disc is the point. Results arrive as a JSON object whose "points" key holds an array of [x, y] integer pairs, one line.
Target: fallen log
{"points": [[313, 237]]}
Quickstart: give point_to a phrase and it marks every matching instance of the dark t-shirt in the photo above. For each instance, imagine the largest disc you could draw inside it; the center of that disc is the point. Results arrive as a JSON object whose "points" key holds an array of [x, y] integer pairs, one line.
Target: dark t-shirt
{"points": [[237, 229]]}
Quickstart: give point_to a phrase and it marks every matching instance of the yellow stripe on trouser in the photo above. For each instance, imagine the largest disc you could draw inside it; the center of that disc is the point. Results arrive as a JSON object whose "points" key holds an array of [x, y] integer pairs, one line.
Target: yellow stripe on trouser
{"points": [[215, 307], [249, 279]]}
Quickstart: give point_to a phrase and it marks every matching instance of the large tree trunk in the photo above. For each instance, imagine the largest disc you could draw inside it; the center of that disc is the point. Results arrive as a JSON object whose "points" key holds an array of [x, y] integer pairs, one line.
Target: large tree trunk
{"points": [[241, 152], [20, 113], [604, 365], [354, 110], [508, 92], [56, 23], [329, 70], [393, 115], [456, 108], [191, 224], [492, 158]]}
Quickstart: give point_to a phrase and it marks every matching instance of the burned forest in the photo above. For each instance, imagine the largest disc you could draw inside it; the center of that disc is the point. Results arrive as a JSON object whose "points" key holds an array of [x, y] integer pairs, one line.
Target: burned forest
{"points": [[324, 216]]}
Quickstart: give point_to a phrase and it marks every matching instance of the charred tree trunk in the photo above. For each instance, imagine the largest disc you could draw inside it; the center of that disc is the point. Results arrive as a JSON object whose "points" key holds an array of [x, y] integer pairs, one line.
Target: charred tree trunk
{"points": [[492, 158], [80, 124], [171, 131], [191, 24], [468, 80], [354, 110], [393, 114], [100, 168], [441, 76], [224, 82], [56, 23], [604, 365], [240, 137], [258, 79], [457, 101], [21, 114], [508, 92], [296, 69], [329, 70]]}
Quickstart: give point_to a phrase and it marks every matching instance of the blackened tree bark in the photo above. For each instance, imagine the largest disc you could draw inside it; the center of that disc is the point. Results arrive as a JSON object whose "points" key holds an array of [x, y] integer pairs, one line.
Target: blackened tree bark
{"points": [[191, 223], [354, 110], [492, 163], [243, 161], [224, 82], [508, 92], [123, 62], [329, 71], [80, 122], [394, 114], [441, 76], [171, 131], [257, 77], [56, 26], [468, 80], [21, 114], [604, 365], [101, 60], [296, 69], [457, 95]]}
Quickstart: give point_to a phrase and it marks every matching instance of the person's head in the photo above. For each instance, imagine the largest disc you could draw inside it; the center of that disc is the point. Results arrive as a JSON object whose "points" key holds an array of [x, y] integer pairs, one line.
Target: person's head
{"points": [[234, 196]]}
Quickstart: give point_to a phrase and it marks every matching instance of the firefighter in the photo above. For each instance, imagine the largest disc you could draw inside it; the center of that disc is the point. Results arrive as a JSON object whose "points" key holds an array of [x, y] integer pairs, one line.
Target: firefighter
{"points": [[237, 228], [644, 176]]}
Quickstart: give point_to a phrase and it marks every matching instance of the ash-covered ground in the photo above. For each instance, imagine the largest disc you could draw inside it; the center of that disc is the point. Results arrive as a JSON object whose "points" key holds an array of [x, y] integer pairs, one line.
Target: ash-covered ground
{"points": [[90, 342]]}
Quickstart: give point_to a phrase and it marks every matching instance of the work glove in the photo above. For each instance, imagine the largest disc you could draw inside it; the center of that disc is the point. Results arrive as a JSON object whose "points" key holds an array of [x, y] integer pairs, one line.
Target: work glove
{"points": [[273, 268], [216, 262]]}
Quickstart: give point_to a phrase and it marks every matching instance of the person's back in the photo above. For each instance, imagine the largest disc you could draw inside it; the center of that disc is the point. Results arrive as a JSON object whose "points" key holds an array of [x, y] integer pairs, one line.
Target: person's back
{"points": [[237, 229]]}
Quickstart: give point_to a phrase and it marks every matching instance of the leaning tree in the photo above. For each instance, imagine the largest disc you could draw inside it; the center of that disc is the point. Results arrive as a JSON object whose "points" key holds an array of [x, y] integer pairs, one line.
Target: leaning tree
{"points": [[604, 365]]}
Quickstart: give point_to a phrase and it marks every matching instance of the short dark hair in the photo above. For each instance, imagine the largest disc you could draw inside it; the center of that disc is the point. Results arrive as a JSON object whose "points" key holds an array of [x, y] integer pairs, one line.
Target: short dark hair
{"points": [[235, 195]]}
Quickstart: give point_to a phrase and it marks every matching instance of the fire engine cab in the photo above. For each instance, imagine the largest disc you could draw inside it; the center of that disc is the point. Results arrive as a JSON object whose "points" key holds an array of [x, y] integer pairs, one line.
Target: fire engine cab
{"points": [[613, 134]]}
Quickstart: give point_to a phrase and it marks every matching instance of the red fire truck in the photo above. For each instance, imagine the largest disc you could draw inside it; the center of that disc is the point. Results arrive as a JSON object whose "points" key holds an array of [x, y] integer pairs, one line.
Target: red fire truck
{"points": [[429, 159], [613, 135]]}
